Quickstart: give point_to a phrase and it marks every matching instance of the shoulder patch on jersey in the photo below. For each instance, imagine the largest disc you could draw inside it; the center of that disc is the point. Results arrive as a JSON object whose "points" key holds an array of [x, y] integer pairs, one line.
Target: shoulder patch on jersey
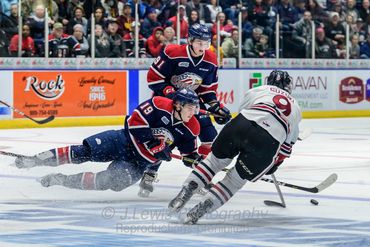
{"points": [[210, 57], [173, 51], [163, 103], [194, 126]]}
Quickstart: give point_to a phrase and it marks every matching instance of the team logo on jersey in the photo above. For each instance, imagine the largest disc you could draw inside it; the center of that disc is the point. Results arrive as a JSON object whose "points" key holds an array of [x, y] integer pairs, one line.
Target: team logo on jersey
{"points": [[351, 90], [163, 133], [186, 80], [47, 90], [255, 80], [184, 64], [165, 120]]}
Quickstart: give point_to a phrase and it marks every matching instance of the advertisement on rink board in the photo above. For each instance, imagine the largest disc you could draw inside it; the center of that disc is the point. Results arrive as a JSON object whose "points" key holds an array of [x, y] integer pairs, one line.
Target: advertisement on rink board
{"points": [[6, 93], [70, 93], [315, 90]]}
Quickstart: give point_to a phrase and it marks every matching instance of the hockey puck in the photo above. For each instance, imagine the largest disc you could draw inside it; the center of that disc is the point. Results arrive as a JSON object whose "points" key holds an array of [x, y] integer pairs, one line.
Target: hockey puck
{"points": [[314, 202]]}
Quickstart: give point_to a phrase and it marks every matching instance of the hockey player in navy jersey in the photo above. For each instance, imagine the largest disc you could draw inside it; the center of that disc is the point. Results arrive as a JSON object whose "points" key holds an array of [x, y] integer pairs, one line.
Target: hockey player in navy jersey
{"points": [[191, 66], [261, 136], [154, 128]]}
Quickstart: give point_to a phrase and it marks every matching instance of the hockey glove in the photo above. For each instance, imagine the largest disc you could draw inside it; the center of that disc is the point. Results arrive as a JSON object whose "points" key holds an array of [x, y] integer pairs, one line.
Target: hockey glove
{"points": [[159, 149], [219, 109], [169, 92], [278, 162], [192, 160]]}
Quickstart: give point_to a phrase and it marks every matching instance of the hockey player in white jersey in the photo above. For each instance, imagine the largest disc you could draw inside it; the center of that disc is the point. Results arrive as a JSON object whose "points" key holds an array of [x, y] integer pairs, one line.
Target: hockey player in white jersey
{"points": [[261, 136]]}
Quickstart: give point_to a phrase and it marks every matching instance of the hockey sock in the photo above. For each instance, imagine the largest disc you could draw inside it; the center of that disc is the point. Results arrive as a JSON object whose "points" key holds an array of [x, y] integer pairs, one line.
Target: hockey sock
{"points": [[82, 181], [223, 190]]}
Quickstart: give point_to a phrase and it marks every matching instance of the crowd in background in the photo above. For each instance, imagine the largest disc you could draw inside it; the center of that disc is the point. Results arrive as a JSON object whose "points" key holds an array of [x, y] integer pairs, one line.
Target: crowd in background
{"points": [[69, 23]]}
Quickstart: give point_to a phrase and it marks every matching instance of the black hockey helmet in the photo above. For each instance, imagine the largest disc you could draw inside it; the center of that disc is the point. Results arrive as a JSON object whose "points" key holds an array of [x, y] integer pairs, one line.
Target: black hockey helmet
{"points": [[280, 79], [186, 96], [199, 31]]}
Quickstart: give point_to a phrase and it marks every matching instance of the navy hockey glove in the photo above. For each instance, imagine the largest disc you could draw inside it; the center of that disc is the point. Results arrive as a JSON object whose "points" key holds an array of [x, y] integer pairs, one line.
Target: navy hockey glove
{"points": [[159, 149], [219, 109], [192, 160]]}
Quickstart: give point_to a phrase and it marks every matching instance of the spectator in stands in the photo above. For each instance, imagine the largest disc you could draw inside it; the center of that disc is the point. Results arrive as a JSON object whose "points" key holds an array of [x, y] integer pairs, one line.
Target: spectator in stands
{"points": [[324, 47], [319, 15], [79, 36], [302, 35], [78, 18], [103, 44], [119, 48], [262, 49], [337, 7], [184, 26], [231, 9], [129, 40], [195, 4], [155, 42], [288, 15], [194, 18], [300, 6], [99, 19], [63, 12], [250, 43], [6, 6], [354, 47], [247, 26], [210, 12], [125, 20], [225, 26], [28, 46], [169, 35], [366, 28], [230, 45], [90, 6], [353, 28], [365, 48], [26, 9], [258, 13], [213, 48], [72, 5], [36, 23], [350, 9], [150, 22], [111, 8], [335, 29], [9, 24], [364, 10], [4, 44], [62, 45]]}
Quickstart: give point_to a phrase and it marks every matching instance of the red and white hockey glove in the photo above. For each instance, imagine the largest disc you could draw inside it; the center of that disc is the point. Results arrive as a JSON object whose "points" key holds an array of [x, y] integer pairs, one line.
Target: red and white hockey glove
{"points": [[280, 159], [159, 149]]}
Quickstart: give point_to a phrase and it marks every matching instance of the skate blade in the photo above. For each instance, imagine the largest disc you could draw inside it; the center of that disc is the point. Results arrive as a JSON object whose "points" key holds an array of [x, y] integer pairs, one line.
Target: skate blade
{"points": [[143, 193]]}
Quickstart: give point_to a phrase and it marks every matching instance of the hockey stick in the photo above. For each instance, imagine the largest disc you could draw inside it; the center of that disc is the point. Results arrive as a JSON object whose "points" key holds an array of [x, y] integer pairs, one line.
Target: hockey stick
{"points": [[273, 203], [13, 154], [43, 121], [320, 187]]}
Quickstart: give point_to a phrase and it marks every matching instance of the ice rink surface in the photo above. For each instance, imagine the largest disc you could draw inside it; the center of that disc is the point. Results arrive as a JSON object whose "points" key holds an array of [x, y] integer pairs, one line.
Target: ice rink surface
{"points": [[31, 215]]}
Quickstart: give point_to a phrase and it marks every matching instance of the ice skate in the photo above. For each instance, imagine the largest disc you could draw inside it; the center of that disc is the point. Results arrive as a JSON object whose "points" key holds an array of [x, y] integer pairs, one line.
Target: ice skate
{"points": [[198, 211], [42, 159], [146, 184], [53, 179], [183, 197]]}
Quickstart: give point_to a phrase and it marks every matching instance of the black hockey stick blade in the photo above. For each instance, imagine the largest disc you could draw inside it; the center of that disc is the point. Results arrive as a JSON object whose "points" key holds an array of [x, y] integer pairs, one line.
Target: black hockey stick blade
{"points": [[44, 121], [323, 185], [274, 204]]}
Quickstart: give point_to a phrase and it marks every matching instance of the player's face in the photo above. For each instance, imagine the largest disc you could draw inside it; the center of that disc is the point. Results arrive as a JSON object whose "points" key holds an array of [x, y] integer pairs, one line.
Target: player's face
{"points": [[188, 111], [200, 46]]}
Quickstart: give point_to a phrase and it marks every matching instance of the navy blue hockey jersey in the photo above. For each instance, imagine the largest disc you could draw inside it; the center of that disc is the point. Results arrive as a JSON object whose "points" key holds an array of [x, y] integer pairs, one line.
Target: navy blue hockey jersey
{"points": [[174, 68], [154, 119]]}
